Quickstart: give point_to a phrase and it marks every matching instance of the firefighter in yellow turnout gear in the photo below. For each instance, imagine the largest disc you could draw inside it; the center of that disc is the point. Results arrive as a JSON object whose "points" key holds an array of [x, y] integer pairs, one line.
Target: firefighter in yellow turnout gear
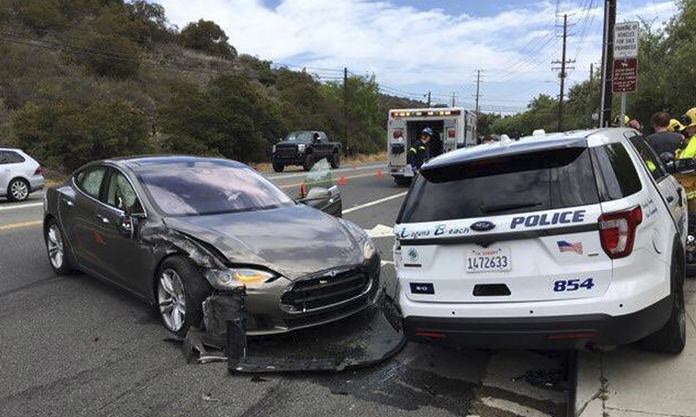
{"points": [[689, 122]]}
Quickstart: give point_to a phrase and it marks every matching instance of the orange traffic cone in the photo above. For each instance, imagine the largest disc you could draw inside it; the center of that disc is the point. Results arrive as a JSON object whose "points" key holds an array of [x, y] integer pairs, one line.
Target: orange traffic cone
{"points": [[342, 181], [379, 174], [303, 190]]}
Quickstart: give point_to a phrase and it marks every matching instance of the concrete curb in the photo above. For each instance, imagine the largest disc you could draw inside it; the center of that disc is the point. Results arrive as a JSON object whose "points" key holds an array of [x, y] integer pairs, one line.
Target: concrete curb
{"points": [[590, 389]]}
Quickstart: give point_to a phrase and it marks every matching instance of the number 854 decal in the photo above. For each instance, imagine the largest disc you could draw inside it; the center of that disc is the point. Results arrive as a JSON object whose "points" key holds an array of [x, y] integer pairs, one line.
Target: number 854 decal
{"points": [[573, 285]]}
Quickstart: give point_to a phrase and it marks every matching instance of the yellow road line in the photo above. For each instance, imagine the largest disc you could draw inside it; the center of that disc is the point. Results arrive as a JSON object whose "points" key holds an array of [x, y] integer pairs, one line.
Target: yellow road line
{"points": [[21, 225]]}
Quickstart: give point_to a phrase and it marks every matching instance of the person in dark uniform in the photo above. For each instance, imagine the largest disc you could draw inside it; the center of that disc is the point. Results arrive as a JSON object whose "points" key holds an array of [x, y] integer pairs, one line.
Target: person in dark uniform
{"points": [[419, 151], [663, 141]]}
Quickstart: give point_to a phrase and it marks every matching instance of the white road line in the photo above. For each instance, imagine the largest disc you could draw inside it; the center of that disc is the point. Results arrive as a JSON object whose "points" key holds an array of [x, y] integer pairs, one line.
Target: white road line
{"points": [[19, 206], [374, 203], [304, 174]]}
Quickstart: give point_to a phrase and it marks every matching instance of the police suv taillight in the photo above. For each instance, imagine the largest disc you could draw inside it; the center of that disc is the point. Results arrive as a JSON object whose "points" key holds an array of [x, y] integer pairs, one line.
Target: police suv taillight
{"points": [[617, 231]]}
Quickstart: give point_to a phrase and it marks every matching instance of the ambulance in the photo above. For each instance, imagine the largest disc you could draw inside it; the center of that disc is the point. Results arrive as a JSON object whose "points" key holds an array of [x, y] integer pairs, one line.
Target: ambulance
{"points": [[453, 128]]}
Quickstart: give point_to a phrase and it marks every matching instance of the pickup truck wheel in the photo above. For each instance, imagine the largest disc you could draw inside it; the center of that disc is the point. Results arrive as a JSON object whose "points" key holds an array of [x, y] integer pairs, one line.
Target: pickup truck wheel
{"points": [[672, 337], [308, 163], [278, 167], [335, 160]]}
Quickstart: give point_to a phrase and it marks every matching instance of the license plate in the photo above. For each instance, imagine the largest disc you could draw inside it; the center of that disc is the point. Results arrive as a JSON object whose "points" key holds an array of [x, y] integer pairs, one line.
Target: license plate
{"points": [[488, 260]]}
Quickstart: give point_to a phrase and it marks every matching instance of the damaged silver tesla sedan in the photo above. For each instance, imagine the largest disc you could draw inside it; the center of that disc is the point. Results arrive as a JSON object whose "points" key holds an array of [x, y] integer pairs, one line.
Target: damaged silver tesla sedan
{"points": [[174, 230]]}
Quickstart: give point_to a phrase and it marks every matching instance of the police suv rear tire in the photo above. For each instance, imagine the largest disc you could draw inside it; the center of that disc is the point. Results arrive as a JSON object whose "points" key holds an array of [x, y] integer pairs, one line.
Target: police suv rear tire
{"points": [[672, 337], [308, 163], [278, 167], [402, 181]]}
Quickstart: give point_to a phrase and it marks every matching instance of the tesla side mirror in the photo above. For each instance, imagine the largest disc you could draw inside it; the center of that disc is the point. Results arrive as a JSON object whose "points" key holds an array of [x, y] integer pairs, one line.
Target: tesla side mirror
{"points": [[327, 200], [125, 225], [684, 166]]}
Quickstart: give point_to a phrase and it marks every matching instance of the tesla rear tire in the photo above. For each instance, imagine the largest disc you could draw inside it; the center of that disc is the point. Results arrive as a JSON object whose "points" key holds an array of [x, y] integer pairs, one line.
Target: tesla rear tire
{"points": [[18, 190], [672, 337], [180, 291], [57, 249]]}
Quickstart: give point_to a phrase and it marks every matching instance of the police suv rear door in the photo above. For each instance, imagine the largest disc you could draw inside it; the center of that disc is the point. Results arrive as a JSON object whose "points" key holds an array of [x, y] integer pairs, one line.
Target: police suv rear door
{"points": [[513, 228]]}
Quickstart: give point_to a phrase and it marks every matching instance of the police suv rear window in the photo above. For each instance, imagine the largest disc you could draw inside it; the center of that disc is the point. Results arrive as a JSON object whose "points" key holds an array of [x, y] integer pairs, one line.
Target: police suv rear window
{"points": [[616, 175], [545, 180]]}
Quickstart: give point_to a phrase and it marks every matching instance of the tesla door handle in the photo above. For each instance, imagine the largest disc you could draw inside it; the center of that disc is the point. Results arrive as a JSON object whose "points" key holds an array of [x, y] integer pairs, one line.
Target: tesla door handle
{"points": [[103, 219]]}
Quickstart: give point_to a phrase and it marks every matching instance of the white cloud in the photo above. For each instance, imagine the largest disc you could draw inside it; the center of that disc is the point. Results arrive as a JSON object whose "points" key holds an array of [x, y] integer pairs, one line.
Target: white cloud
{"points": [[407, 47]]}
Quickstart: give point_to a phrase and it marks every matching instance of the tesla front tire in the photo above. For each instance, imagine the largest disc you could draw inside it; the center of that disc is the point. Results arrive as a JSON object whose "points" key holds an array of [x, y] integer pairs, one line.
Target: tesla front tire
{"points": [[180, 292], [57, 249]]}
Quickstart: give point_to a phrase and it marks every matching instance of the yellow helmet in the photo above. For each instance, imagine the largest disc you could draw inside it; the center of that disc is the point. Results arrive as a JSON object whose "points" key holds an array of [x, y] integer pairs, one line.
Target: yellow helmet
{"points": [[689, 119], [675, 126], [617, 120]]}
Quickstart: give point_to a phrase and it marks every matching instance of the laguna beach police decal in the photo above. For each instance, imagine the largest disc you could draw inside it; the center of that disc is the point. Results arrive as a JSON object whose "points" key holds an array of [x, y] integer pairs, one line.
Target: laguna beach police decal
{"points": [[534, 220]]}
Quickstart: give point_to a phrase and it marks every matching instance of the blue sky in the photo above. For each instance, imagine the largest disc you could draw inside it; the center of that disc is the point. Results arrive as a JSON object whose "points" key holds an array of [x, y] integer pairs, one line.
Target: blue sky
{"points": [[417, 46]]}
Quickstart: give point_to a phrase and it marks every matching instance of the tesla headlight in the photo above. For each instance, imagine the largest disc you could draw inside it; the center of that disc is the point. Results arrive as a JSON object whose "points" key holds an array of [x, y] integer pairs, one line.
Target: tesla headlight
{"points": [[301, 147], [368, 249], [236, 277]]}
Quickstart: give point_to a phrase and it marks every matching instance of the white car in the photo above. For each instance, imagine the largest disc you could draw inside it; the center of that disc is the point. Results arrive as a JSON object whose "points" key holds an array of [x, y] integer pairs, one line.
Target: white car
{"points": [[556, 241], [20, 174]]}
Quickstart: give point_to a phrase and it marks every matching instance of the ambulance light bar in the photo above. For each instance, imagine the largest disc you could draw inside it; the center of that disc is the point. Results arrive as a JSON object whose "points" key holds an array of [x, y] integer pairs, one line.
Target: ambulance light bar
{"points": [[426, 113]]}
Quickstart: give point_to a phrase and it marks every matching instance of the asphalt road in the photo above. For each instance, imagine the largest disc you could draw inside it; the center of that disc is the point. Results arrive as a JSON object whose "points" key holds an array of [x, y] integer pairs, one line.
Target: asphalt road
{"points": [[74, 346]]}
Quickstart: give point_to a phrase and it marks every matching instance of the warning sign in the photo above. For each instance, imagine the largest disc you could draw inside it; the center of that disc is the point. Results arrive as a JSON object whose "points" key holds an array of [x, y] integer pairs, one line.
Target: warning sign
{"points": [[625, 75], [626, 37]]}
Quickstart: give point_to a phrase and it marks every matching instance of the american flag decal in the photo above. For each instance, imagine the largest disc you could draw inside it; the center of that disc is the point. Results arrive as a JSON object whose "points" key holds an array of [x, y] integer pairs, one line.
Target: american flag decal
{"points": [[564, 246]]}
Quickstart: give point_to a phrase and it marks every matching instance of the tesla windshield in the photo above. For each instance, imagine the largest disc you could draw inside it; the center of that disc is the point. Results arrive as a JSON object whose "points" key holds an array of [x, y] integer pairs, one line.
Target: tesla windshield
{"points": [[210, 187]]}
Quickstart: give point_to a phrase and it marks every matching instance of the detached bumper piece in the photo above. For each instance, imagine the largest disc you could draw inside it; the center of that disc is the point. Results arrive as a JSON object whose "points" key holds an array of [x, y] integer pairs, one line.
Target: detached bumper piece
{"points": [[362, 340]]}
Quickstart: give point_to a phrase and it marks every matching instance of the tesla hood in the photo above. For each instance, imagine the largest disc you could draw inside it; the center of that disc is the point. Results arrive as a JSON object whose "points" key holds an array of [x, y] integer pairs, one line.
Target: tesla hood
{"points": [[294, 241]]}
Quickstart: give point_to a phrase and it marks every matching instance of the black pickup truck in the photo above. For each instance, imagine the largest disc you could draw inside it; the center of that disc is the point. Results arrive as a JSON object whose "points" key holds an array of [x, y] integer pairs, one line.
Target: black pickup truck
{"points": [[305, 148]]}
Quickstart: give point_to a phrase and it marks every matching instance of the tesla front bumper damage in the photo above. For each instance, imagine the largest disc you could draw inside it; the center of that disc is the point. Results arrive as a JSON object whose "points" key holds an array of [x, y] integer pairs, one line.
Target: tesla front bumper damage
{"points": [[357, 332], [368, 338]]}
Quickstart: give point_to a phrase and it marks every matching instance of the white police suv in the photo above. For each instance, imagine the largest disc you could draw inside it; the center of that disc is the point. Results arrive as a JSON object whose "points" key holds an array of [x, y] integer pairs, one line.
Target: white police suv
{"points": [[554, 241]]}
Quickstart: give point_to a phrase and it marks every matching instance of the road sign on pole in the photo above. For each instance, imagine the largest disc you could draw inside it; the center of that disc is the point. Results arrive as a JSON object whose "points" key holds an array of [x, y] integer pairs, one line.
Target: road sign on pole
{"points": [[625, 75], [625, 68], [626, 40]]}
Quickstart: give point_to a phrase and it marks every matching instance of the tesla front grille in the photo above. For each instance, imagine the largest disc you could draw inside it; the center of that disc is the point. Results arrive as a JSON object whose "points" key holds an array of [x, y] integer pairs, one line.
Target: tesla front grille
{"points": [[323, 291]]}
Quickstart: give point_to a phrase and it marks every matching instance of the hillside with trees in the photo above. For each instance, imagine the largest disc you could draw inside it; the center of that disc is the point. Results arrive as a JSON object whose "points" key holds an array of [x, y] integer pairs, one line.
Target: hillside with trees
{"points": [[666, 83], [89, 79]]}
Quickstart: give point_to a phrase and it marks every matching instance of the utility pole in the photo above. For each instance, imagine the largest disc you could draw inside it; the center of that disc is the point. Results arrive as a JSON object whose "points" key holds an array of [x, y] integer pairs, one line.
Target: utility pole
{"points": [[607, 61], [562, 75], [591, 73], [345, 108], [428, 98], [478, 89], [454, 99]]}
